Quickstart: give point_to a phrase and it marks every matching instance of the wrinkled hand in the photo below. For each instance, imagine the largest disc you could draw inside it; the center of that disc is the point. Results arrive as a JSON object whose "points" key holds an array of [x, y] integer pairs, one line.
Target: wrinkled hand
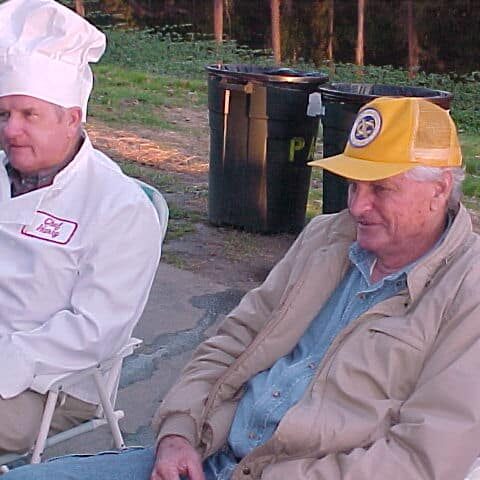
{"points": [[175, 457]]}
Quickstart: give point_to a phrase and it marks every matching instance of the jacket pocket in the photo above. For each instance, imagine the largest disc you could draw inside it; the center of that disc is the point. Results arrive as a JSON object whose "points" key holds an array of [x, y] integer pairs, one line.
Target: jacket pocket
{"points": [[401, 333]]}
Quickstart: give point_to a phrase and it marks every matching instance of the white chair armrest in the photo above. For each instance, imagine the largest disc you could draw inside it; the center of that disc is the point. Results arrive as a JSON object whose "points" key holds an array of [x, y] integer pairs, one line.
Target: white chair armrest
{"points": [[75, 377]]}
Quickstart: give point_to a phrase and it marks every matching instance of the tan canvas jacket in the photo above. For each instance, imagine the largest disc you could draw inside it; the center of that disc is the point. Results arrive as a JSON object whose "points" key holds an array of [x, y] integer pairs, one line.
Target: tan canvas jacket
{"points": [[397, 395]]}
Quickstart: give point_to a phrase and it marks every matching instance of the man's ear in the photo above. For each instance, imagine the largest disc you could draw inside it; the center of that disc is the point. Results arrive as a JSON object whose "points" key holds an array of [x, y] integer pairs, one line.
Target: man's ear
{"points": [[74, 119], [442, 191]]}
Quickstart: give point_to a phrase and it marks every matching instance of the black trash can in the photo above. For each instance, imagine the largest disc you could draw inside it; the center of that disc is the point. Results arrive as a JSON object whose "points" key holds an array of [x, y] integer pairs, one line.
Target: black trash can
{"points": [[341, 102], [261, 139]]}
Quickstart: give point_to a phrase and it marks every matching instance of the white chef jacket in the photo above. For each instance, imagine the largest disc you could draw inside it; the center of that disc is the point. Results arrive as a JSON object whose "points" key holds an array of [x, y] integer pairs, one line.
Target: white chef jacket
{"points": [[77, 260]]}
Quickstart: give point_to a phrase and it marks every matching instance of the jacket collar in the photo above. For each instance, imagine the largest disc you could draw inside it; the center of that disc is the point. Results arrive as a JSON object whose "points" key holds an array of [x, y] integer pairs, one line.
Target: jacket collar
{"points": [[20, 210], [456, 241]]}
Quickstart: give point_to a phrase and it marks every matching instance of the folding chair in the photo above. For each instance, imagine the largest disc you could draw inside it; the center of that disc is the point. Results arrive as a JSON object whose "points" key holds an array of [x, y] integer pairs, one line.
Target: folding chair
{"points": [[106, 376], [158, 202]]}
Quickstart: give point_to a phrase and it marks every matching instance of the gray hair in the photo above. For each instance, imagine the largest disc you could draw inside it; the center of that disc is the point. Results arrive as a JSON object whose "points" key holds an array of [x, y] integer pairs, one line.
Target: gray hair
{"points": [[430, 174]]}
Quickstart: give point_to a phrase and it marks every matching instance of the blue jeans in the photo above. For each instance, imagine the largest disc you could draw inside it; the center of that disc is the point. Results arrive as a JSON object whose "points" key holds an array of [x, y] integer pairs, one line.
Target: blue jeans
{"points": [[131, 464]]}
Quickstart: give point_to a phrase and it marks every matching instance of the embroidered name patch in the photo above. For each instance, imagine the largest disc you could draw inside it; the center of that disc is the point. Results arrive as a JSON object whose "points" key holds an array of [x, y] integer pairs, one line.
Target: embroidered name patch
{"points": [[50, 228], [366, 127]]}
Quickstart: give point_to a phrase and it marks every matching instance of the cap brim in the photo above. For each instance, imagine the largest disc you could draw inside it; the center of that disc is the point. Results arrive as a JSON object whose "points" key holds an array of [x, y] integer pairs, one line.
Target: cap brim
{"points": [[357, 169]]}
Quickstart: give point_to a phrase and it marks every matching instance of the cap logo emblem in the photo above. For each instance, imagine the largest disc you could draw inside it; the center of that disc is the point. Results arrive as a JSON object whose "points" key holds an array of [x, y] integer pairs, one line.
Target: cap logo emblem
{"points": [[366, 128]]}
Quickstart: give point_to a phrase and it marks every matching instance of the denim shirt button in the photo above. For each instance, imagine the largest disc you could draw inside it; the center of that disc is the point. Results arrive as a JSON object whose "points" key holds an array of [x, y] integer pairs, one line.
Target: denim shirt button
{"points": [[276, 393]]}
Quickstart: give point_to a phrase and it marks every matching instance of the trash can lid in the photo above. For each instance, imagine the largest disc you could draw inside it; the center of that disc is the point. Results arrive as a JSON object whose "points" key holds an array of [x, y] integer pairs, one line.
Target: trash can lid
{"points": [[364, 92], [257, 73]]}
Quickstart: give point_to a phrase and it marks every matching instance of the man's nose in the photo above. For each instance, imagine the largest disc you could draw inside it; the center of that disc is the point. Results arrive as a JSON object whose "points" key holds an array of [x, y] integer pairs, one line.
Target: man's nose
{"points": [[11, 128], [359, 199]]}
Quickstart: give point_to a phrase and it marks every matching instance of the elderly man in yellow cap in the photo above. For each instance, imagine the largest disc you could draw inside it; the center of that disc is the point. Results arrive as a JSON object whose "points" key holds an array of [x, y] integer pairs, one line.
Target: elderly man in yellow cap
{"points": [[79, 241], [358, 358]]}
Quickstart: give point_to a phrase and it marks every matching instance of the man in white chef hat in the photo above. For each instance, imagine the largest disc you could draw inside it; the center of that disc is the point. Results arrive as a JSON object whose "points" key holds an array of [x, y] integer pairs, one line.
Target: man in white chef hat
{"points": [[79, 241]]}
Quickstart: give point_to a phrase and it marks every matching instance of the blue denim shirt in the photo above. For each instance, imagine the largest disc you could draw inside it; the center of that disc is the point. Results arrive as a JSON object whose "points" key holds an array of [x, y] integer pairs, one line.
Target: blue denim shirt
{"points": [[271, 393]]}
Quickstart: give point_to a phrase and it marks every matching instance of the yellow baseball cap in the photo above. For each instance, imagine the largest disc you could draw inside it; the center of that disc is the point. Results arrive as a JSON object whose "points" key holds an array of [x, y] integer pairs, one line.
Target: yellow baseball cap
{"points": [[393, 135]]}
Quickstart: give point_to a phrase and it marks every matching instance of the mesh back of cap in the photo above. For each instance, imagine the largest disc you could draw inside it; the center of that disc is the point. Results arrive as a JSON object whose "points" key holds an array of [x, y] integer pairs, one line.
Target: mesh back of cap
{"points": [[432, 141]]}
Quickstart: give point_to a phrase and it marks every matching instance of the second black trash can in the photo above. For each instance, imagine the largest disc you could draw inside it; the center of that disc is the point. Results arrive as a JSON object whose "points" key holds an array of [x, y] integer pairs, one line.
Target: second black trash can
{"points": [[261, 139], [341, 102]]}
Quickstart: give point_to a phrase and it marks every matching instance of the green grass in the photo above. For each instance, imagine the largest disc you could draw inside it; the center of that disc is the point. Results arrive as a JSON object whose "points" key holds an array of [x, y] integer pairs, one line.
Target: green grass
{"points": [[314, 202], [471, 152], [163, 56], [181, 221], [123, 95], [174, 259], [239, 244], [148, 71], [471, 156], [169, 54], [162, 181]]}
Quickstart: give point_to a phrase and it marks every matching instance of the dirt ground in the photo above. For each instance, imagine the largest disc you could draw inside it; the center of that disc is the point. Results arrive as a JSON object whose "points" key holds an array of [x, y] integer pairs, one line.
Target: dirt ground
{"points": [[226, 255]]}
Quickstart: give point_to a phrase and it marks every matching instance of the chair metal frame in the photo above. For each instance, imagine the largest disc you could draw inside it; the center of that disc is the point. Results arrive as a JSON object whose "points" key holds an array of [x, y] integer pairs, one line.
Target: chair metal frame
{"points": [[106, 376]]}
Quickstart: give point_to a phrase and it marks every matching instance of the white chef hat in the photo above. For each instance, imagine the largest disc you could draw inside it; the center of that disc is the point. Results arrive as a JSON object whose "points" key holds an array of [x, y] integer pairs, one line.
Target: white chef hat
{"points": [[44, 52]]}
